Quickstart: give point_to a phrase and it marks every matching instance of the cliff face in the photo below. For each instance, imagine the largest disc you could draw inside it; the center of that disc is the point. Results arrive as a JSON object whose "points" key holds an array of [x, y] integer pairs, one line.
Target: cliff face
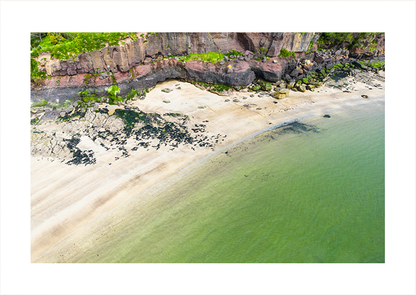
{"points": [[156, 46], [143, 63]]}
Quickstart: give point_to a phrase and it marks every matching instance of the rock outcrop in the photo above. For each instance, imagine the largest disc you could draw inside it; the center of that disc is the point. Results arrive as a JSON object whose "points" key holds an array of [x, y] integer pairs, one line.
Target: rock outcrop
{"points": [[59, 89], [156, 46], [143, 63]]}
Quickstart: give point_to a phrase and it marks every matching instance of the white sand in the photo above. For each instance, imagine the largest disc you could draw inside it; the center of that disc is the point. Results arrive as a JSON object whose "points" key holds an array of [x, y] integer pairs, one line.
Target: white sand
{"points": [[67, 198]]}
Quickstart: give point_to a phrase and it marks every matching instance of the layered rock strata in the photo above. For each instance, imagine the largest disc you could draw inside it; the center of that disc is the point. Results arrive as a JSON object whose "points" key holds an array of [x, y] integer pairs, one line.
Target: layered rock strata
{"points": [[143, 63]]}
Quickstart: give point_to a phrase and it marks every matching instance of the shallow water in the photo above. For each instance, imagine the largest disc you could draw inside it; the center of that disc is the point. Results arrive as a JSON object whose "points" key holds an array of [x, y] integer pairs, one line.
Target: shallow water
{"points": [[312, 191]]}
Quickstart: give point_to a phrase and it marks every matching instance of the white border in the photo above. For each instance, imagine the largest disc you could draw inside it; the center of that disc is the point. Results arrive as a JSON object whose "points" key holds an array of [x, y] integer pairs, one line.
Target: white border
{"points": [[396, 276]]}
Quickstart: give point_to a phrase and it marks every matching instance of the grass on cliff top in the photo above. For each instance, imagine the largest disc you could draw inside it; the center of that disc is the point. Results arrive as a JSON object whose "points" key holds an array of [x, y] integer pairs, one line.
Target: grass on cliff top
{"points": [[75, 43]]}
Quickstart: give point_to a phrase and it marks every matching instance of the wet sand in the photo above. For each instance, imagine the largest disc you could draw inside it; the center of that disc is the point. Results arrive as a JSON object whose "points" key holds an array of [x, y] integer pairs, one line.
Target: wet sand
{"points": [[66, 199]]}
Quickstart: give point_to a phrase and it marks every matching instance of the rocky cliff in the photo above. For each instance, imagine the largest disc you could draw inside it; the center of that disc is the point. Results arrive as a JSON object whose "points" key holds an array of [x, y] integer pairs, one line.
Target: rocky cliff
{"points": [[157, 46], [152, 58]]}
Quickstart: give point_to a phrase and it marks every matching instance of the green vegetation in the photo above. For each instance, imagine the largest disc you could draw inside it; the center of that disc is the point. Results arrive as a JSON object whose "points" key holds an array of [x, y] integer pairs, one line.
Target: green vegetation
{"points": [[39, 103], [348, 40], [377, 64], [88, 99], [88, 77], [261, 54], [220, 88], [212, 57], [68, 45], [132, 94], [35, 121], [215, 87], [112, 94], [173, 114], [310, 46], [51, 104], [256, 87], [35, 74], [286, 53], [264, 85], [56, 38], [233, 52]]}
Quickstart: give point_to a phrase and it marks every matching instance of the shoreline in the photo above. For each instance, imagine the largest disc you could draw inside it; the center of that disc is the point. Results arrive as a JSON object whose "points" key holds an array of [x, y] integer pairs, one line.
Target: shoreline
{"points": [[56, 218]]}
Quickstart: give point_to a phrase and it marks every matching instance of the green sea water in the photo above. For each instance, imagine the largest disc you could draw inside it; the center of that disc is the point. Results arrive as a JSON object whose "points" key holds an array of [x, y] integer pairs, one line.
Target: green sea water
{"points": [[307, 192]]}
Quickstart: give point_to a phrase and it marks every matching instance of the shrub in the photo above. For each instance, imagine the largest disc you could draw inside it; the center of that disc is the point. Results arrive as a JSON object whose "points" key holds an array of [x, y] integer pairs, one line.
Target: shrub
{"points": [[56, 38], [286, 53], [112, 94], [233, 52]]}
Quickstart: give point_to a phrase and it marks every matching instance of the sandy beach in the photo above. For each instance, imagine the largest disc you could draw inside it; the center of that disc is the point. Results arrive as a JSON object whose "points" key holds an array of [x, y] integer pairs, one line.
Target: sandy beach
{"points": [[65, 199]]}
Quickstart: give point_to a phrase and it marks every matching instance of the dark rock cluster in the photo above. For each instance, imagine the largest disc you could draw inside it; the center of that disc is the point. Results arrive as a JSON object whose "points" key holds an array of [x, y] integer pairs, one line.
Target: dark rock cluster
{"points": [[126, 131]]}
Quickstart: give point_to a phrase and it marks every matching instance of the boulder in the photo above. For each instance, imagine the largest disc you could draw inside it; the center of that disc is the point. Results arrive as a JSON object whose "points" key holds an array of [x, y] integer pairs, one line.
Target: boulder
{"points": [[248, 55], [281, 84], [316, 84], [103, 76], [358, 65], [329, 65], [281, 93], [296, 72], [302, 87], [290, 85], [287, 78]]}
